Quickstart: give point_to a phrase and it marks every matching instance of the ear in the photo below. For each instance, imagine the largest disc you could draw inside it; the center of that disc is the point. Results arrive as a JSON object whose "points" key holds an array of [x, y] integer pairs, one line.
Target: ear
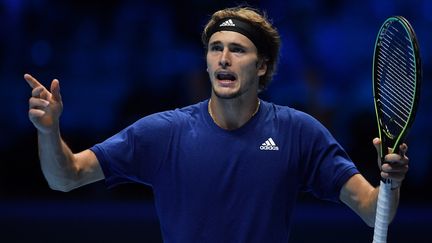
{"points": [[262, 66]]}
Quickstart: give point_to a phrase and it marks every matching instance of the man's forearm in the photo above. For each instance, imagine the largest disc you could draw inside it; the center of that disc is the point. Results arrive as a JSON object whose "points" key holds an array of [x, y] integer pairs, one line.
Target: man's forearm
{"points": [[360, 196], [57, 160]]}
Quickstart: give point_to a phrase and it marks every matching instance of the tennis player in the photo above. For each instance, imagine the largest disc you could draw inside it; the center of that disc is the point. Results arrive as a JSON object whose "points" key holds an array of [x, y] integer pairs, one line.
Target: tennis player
{"points": [[227, 169]]}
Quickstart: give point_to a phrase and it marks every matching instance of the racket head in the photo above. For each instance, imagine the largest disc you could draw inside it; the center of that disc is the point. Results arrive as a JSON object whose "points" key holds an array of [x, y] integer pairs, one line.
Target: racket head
{"points": [[396, 79]]}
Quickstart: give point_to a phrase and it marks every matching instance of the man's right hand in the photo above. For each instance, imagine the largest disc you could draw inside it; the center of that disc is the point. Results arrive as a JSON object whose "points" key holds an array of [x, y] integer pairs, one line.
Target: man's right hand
{"points": [[45, 107]]}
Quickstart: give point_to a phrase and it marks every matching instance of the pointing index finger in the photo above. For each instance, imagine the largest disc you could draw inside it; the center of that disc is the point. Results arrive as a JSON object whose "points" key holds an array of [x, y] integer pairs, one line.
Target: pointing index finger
{"points": [[31, 81]]}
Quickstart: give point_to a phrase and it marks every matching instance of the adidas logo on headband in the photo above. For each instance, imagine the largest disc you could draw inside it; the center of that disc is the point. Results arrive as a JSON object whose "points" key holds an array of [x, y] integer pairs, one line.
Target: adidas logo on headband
{"points": [[244, 27], [229, 22]]}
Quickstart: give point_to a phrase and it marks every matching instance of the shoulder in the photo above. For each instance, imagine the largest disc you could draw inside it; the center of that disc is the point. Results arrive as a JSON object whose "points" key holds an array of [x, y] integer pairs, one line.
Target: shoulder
{"points": [[290, 115], [191, 111], [171, 117]]}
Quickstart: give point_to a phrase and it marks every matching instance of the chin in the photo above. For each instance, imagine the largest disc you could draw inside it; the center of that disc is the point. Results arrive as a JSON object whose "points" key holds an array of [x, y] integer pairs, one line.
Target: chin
{"points": [[227, 95]]}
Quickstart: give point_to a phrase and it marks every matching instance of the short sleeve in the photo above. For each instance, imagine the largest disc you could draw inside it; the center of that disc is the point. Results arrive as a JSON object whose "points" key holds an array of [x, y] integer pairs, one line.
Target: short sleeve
{"points": [[136, 153], [325, 165]]}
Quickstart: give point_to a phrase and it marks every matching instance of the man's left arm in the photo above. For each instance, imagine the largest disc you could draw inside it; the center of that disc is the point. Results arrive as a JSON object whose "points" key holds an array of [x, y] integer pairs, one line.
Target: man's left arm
{"points": [[362, 197]]}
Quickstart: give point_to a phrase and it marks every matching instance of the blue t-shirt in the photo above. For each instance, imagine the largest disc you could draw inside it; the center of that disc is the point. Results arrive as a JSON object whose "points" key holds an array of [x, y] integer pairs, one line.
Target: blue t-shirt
{"points": [[214, 185]]}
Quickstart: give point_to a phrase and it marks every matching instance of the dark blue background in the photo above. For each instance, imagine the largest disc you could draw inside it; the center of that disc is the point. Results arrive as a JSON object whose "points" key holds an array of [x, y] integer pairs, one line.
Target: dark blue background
{"points": [[120, 60]]}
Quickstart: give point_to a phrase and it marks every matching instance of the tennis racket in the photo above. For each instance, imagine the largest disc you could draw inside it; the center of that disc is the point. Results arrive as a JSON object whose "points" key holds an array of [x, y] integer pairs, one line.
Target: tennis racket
{"points": [[396, 88]]}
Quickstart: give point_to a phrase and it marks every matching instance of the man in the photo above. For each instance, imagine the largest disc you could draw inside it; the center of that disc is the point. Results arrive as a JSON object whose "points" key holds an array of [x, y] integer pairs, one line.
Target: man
{"points": [[227, 169]]}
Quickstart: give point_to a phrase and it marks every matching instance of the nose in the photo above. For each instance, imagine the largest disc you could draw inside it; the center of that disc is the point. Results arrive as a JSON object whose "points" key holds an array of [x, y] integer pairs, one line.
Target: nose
{"points": [[225, 60]]}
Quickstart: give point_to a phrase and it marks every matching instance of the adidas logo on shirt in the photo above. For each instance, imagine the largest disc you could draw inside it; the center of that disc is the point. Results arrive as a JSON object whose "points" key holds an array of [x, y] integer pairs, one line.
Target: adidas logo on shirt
{"points": [[229, 22], [269, 144]]}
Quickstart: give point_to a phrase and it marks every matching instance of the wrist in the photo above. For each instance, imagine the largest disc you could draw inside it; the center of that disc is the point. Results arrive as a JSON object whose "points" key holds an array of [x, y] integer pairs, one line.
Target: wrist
{"points": [[395, 185]]}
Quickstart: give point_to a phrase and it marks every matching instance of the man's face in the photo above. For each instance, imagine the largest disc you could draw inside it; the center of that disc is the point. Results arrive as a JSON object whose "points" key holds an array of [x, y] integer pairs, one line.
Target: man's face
{"points": [[233, 65]]}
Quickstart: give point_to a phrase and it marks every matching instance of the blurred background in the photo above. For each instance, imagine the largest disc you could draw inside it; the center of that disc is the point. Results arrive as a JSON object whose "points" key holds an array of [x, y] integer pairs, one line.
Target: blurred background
{"points": [[120, 60]]}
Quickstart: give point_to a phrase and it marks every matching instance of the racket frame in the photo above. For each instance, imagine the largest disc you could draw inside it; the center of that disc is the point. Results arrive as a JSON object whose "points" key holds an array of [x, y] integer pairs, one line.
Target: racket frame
{"points": [[388, 140]]}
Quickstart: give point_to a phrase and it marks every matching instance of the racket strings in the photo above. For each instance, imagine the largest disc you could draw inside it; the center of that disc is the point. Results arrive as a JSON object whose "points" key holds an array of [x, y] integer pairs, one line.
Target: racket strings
{"points": [[394, 65], [400, 48], [395, 91], [396, 78], [401, 44], [402, 66], [394, 95]]}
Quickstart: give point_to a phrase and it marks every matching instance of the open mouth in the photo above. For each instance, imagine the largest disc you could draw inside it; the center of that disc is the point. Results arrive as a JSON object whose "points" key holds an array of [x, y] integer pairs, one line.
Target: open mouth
{"points": [[225, 76]]}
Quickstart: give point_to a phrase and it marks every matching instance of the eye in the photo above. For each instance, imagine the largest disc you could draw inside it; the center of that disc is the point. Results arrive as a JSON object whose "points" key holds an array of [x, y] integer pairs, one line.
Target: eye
{"points": [[237, 49], [216, 48]]}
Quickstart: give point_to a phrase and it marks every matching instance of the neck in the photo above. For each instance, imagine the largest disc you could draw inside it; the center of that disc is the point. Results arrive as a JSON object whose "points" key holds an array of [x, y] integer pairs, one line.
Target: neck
{"points": [[232, 114]]}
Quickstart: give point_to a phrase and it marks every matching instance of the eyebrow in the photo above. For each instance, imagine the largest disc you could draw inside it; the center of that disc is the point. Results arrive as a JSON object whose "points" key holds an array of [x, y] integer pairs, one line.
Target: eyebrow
{"points": [[232, 44], [215, 43]]}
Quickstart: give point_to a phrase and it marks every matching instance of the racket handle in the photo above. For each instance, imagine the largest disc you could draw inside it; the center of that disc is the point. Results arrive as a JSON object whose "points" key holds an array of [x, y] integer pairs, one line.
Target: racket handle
{"points": [[382, 212]]}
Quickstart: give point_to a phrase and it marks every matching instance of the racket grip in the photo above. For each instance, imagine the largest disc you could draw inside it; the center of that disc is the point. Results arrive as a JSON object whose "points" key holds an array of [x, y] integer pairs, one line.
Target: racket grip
{"points": [[382, 216]]}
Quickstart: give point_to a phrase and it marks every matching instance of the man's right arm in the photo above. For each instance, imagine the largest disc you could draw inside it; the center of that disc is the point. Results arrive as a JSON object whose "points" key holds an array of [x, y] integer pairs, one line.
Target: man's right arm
{"points": [[63, 169]]}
